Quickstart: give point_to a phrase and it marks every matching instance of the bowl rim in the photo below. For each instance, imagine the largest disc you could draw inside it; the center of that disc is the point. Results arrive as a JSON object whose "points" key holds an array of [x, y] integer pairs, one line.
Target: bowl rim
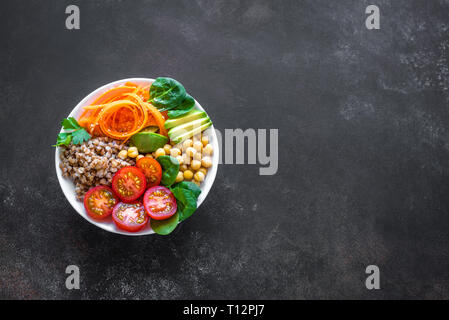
{"points": [[205, 188]]}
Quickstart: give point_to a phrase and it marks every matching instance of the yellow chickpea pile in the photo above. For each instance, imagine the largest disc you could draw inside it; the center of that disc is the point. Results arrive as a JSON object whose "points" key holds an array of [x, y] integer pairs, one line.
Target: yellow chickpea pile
{"points": [[194, 156]]}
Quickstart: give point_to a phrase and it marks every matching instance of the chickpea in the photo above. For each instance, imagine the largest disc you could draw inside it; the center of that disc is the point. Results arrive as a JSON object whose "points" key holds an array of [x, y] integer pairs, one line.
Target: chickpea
{"points": [[185, 159], [190, 152], [159, 152], [180, 177], [197, 156], [183, 167], [167, 148], [133, 152], [198, 146], [206, 162], [188, 175], [196, 165], [205, 141], [123, 154], [197, 183], [203, 170], [180, 160], [174, 152], [208, 149], [186, 144], [149, 155], [140, 156], [199, 176]]}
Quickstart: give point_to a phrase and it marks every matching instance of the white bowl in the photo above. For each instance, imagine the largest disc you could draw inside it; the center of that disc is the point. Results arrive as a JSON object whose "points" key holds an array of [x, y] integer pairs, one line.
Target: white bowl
{"points": [[68, 187]]}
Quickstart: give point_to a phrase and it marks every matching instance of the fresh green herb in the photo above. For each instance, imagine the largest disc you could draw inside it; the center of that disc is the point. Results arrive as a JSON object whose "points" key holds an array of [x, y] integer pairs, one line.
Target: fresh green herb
{"points": [[165, 227], [70, 124], [167, 93], [170, 169], [186, 194], [183, 108], [78, 135], [64, 138]]}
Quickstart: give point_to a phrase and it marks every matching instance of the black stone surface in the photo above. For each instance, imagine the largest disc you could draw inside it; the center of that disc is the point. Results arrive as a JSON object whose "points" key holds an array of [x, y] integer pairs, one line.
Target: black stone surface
{"points": [[363, 162]]}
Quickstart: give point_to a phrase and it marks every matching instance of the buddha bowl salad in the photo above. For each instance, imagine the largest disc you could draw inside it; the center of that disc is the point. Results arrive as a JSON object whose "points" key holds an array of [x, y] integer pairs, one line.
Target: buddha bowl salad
{"points": [[138, 155]]}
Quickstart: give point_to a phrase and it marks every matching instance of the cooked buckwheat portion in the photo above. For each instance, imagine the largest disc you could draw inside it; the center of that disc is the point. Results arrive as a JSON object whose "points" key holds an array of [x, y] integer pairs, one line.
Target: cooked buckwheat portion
{"points": [[93, 163]]}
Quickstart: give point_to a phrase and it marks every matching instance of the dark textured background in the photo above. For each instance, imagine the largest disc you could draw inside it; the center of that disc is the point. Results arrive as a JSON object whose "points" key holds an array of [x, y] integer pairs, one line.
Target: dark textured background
{"points": [[364, 148]]}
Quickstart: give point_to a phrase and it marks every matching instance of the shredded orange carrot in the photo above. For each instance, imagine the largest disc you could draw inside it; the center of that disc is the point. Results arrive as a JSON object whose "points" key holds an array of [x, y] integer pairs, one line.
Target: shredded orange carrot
{"points": [[121, 112]]}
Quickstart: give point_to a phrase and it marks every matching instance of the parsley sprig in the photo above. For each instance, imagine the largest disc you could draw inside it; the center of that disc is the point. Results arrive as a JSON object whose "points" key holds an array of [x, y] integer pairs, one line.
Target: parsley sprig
{"points": [[76, 135]]}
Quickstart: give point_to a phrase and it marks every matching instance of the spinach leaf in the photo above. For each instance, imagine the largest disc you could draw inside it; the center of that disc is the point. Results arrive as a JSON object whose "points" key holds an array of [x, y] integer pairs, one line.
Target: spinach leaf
{"points": [[186, 194], [186, 201], [167, 93], [189, 186], [170, 169], [183, 108], [165, 227]]}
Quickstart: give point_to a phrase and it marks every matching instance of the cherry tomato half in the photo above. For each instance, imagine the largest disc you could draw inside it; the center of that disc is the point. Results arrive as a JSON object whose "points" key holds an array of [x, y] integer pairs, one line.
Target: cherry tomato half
{"points": [[130, 216], [151, 169], [159, 203], [99, 202], [129, 184]]}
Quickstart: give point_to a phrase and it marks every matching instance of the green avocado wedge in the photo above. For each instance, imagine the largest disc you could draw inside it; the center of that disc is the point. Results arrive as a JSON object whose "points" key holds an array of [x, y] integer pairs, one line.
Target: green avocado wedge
{"points": [[147, 142], [186, 127], [153, 129], [180, 136], [191, 116]]}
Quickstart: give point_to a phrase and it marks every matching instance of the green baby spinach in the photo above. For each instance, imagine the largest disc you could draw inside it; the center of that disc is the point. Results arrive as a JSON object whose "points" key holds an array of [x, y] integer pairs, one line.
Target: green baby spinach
{"points": [[185, 107], [170, 169], [167, 93], [187, 185], [165, 227], [186, 194]]}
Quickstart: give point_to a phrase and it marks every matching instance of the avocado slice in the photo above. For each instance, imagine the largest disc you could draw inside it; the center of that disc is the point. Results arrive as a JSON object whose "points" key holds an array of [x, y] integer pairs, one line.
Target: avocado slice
{"points": [[185, 135], [179, 130], [153, 129], [188, 117], [147, 142]]}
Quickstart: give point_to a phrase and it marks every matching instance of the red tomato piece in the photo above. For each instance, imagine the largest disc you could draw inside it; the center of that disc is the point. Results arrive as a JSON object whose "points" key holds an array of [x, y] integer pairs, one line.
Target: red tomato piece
{"points": [[160, 203], [130, 216], [151, 169], [99, 202], [129, 184]]}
